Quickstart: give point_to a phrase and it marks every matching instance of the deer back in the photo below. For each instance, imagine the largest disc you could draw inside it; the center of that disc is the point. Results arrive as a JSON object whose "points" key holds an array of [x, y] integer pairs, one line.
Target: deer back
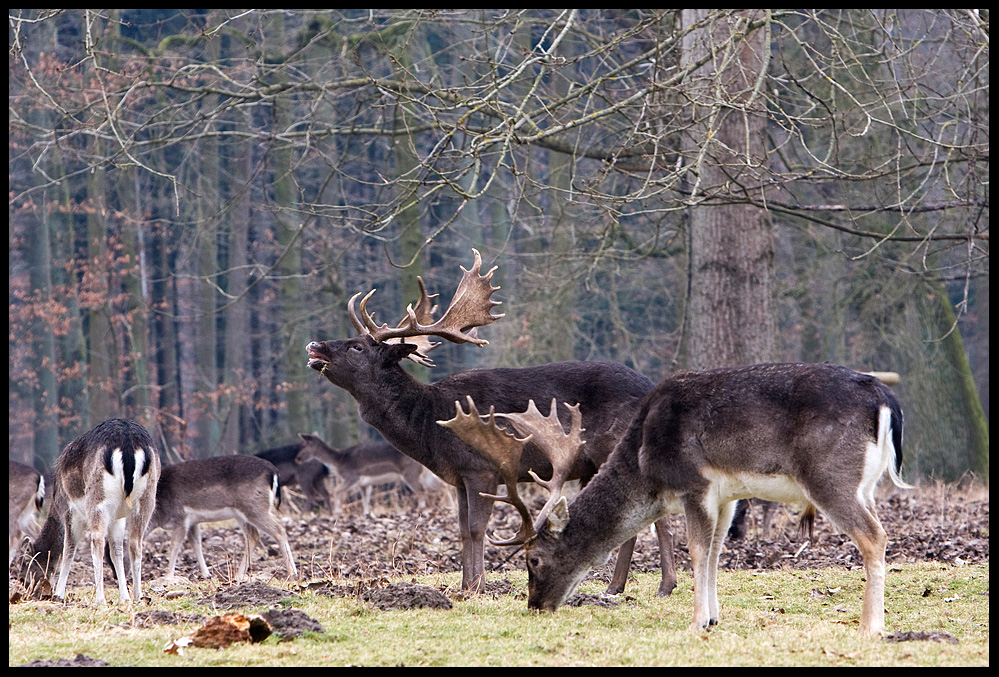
{"points": [[367, 459], [110, 465], [608, 395], [810, 422], [216, 485]]}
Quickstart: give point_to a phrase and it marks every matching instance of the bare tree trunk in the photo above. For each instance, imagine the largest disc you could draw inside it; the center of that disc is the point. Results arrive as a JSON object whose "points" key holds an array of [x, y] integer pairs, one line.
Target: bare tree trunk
{"points": [[236, 357], [731, 303], [45, 392], [100, 338]]}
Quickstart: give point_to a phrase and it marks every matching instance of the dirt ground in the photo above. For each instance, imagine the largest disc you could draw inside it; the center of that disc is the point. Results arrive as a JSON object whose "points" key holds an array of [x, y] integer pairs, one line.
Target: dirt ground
{"points": [[350, 554]]}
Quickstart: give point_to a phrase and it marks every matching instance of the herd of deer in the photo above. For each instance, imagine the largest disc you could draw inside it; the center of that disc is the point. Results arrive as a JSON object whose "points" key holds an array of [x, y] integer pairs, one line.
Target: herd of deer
{"points": [[817, 435]]}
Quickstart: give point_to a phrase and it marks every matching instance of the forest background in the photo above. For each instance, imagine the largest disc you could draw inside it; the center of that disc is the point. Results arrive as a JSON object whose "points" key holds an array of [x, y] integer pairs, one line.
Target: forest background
{"points": [[195, 194]]}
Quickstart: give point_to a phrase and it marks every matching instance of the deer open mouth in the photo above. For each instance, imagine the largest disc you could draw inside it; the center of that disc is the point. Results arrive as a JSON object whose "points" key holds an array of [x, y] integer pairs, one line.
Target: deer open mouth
{"points": [[317, 360]]}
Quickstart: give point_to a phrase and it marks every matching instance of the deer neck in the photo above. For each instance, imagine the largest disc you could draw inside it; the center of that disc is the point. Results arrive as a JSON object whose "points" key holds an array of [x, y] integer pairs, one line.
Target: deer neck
{"points": [[402, 410], [611, 509]]}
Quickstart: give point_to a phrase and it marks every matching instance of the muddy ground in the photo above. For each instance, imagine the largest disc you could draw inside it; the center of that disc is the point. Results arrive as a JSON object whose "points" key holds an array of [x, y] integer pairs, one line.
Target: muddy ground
{"points": [[350, 554]]}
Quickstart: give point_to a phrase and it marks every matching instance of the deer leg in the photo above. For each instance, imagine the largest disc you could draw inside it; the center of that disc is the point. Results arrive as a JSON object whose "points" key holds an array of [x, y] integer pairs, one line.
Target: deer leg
{"points": [[366, 492], [252, 537], [117, 541], [135, 537], [271, 526], [701, 524], [725, 513], [872, 547], [199, 552], [97, 556], [473, 516], [324, 500], [69, 546], [861, 524], [855, 514], [666, 560], [177, 538], [769, 509], [622, 567]]}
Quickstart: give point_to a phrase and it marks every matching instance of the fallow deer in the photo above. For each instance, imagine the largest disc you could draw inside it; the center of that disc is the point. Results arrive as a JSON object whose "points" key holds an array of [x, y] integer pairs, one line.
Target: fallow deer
{"points": [[25, 498], [240, 488], [769, 508], [363, 466], [310, 477], [405, 411], [104, 487], [816, 434]]}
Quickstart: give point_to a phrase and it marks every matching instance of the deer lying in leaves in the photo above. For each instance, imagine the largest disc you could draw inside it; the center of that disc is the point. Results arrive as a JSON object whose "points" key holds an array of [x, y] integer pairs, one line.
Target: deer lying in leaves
{"points": [[816, 434], [406, 411]]}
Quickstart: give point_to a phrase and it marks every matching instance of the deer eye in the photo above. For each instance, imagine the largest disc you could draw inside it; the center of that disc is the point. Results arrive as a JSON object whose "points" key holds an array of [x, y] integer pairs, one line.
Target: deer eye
{"points": [[357, 347]]}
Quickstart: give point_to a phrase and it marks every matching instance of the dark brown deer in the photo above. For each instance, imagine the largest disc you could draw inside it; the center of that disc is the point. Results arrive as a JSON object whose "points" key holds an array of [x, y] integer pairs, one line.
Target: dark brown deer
{"points": [[240, 488], [25, 498], [769, 508], [104, 488], [309, 477], [816, 434], [363, 466], [406, 411]]}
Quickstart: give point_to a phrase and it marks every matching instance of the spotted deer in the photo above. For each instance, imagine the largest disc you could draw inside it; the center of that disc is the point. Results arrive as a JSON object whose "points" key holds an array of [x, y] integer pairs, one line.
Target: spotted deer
{"points": [[405, 411], [104, 487], [819, 435]]}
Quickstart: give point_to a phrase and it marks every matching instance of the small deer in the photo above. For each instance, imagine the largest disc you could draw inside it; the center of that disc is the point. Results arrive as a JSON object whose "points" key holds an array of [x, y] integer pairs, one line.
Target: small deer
{"points": [[309, 477], [363, 466], [816, 434], [104, 487], [241, 488], [405, 411], [26, 496]]}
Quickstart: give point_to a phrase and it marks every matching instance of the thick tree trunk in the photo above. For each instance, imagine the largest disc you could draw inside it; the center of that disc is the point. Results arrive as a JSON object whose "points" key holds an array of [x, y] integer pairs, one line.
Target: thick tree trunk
{"points": [[731, 302]]}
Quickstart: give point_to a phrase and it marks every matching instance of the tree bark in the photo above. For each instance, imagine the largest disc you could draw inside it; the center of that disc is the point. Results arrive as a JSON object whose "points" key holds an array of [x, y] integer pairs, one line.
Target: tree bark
{"points": [[731, 299]]}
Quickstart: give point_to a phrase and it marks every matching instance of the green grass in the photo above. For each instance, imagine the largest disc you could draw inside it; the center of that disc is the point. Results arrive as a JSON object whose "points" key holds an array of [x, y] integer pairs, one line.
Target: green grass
{"points": [[768, 618]]}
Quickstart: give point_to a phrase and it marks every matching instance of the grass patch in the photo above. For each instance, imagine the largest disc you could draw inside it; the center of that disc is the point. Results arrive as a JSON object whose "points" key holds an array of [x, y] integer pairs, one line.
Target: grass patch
{"points": [[768, 618]]}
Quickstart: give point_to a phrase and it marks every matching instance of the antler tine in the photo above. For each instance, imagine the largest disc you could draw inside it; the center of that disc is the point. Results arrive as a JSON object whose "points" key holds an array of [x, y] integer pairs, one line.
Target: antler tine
{"points": [[424, 312], [561, 448], [503, 449], [365, 324], [470, 308], [368, 324]]}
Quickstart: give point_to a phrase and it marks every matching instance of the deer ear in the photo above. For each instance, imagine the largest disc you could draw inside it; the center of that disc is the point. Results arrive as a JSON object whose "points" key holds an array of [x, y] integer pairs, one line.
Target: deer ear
{"points": [[396, 352], [558, 518]]}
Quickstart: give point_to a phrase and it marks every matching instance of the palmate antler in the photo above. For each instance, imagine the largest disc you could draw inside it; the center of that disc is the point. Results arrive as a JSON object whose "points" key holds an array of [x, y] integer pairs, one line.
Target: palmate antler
{"points": [[504, 450], [470, 308]]}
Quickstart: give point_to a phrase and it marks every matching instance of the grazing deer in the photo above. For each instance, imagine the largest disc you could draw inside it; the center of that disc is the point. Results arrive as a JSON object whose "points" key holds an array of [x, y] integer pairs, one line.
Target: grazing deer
{"points": [[104, 487], [241, 488], [816, 434], [26, 496], [310, 477], [363, 466], [406, 411]]}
